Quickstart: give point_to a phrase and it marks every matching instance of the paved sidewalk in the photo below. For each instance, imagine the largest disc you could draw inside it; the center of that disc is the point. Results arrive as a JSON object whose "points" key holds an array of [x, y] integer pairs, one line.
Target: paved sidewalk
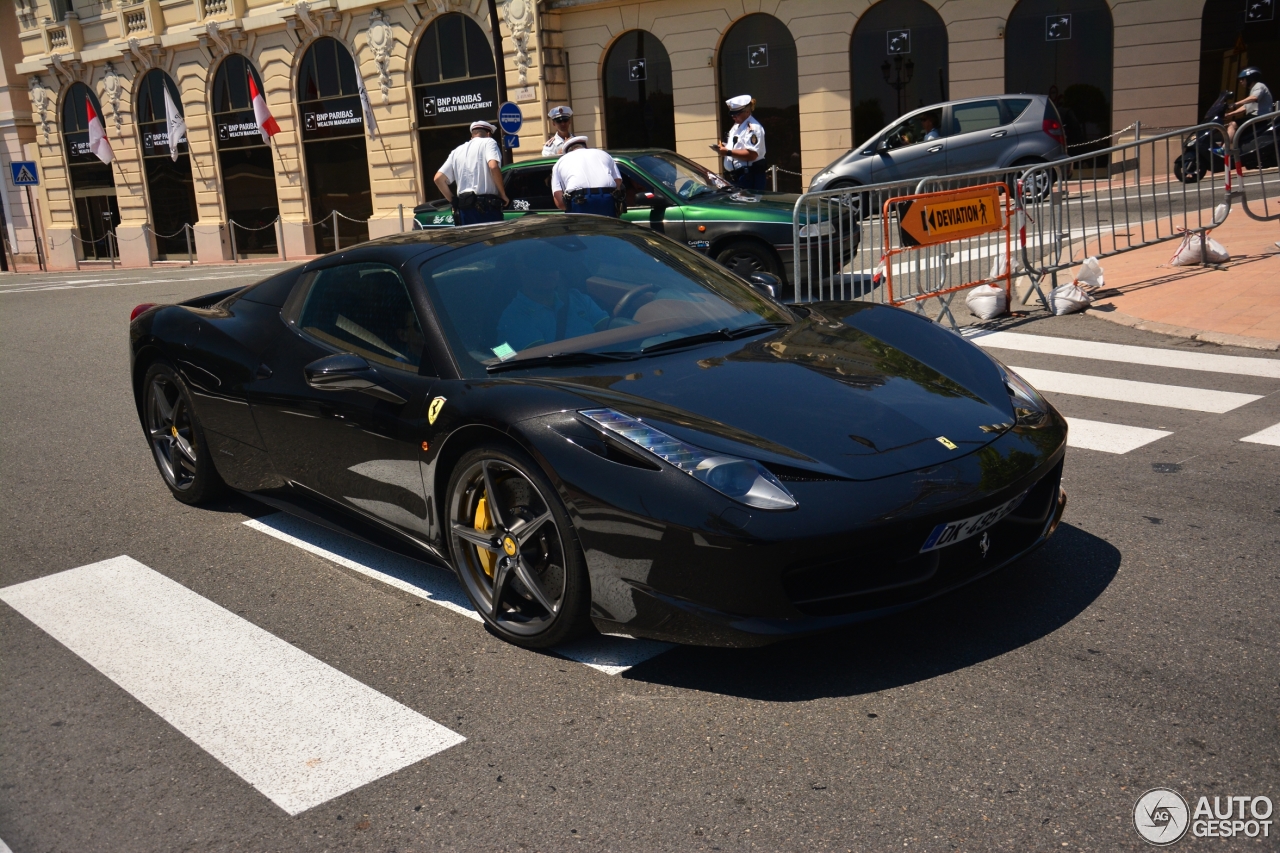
{"points": [[1238, 305]]}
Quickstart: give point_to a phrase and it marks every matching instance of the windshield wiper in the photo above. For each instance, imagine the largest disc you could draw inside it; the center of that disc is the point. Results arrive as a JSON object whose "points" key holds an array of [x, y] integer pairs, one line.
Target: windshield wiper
{"points": [[558, 358], [725, 334]]}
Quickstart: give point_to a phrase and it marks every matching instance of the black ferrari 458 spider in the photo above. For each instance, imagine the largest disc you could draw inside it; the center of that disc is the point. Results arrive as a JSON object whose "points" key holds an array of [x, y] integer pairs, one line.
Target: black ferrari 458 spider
{"points": [[596, 426]]}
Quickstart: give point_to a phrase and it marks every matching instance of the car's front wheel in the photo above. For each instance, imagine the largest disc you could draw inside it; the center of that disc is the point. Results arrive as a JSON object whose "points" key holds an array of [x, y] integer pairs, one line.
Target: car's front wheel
{"points": [[747, 256], [177, 441], [515, 549]]}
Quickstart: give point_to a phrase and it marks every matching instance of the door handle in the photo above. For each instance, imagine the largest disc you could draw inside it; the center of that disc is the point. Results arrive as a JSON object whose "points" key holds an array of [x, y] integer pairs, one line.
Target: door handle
{"points": [[998, 134], [935, 149]]}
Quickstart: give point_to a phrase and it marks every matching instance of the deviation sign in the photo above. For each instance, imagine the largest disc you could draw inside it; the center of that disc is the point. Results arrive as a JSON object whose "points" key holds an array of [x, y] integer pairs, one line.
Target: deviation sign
{"points": [[939, 217]]}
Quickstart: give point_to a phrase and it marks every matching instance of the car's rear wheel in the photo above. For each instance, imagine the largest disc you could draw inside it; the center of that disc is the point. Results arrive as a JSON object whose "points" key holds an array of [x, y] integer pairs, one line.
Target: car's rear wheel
{"points": [[747, 256], [177, 441], [515, 549], [1037, 185]]}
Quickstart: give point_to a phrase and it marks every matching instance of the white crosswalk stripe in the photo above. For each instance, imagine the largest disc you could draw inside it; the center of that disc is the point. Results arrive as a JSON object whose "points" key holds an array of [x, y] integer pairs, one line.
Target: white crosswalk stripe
{"points": [[293, 727], [610, 655], [1109, 438], [1087, 383], [1239, 365], [1270, 435], [1128, 391]]}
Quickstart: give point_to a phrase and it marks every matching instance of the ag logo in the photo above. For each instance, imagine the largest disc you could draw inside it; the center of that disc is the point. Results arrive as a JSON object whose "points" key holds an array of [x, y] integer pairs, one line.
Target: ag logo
{"points": [[1161, 816], [434, 411], [428, 106], [309, 121]]}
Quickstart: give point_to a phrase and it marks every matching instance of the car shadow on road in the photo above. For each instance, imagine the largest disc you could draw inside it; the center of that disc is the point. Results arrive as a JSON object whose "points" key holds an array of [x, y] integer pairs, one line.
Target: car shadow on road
{"points": [[1007, 610]]}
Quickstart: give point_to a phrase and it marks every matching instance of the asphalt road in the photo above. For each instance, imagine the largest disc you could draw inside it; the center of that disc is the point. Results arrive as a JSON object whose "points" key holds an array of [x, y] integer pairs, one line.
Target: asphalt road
{"points": [[1139, 648]]}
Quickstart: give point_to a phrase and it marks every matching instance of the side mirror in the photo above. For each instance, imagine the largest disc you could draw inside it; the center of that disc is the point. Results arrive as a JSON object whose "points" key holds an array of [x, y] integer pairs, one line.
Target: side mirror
{"points": [[766, 283], [347, 372], [882, 146], [655, 201]]}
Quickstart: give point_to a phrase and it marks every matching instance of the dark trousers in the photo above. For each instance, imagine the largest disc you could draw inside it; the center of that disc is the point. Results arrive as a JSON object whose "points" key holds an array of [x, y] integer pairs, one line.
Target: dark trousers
{"points": [[753, 176], [600, 202], [472, 209]]}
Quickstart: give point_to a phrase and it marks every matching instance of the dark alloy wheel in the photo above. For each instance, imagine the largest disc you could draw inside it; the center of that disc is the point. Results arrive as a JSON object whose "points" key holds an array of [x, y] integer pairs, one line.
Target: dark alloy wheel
{"points": [[176, 439], [747, 256], [515, 549]]}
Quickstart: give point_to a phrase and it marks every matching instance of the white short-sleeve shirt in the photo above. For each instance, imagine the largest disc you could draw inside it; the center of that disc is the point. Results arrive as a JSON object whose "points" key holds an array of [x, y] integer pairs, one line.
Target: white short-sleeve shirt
{"points": [[468, 166], [554, 146], [583, 169], [748, 134]]}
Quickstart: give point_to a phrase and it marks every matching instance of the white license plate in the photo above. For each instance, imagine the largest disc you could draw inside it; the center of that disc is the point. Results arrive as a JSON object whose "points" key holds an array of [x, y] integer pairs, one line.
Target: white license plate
{"points": [[955, 531]]}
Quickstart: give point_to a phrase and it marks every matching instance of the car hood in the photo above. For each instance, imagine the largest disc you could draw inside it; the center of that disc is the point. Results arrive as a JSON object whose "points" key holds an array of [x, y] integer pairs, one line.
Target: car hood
{"points": [[743, 204], [851, 391]]}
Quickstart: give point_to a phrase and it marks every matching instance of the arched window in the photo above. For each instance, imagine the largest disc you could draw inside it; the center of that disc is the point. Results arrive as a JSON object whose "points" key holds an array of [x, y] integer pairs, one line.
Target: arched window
{"points": [[639, 111], [334, 144], [1062, 48], [93, 187], [169, 187], [758, 58], [454, 84], [1233, 36], [245, 158], [897, 61]]}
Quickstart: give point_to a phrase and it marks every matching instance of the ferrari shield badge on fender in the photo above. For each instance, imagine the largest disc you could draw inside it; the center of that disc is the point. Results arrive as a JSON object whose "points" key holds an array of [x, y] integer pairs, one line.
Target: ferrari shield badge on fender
{"points": [[434, 411], [942, 439]]}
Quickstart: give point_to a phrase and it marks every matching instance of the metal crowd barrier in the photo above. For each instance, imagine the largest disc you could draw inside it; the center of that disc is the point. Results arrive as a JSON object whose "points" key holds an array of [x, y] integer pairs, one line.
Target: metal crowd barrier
{"points": [[1256, 150], [1099, 204]]}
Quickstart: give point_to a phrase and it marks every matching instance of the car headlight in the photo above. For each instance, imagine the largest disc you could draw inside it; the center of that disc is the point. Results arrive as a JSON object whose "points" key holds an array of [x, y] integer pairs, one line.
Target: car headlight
{"points": [[1029, 408], [817, 229], [744, 480]]}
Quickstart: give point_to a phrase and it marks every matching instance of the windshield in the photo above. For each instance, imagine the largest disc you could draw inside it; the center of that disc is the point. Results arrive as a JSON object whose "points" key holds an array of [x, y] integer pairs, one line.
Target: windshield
{"points": [[524, 298], [683, 177]]}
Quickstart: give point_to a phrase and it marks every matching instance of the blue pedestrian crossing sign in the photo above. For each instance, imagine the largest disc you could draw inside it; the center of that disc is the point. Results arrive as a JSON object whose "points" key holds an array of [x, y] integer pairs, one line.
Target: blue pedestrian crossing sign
{"points": [[510, 140], [510, 118], [24, 173]]}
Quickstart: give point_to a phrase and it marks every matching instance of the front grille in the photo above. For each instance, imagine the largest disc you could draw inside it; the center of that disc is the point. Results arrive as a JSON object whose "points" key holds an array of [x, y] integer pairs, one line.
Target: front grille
{"points": [[881, 578]]}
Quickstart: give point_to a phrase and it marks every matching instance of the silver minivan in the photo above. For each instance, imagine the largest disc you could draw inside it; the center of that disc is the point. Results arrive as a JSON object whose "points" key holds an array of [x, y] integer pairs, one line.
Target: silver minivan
{"points": [[972, 135]]}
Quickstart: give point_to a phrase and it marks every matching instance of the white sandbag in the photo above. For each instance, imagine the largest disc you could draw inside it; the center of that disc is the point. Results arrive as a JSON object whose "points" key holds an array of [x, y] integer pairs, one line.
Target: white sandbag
{"points": [[1090, 273], [1189, 255], [986, 301], [1068, 299]]}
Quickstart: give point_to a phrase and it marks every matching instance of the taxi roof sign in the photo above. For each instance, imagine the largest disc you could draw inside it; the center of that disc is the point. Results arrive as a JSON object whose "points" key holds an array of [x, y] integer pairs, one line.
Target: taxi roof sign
{"points": [[24, 173], [932, 218]]}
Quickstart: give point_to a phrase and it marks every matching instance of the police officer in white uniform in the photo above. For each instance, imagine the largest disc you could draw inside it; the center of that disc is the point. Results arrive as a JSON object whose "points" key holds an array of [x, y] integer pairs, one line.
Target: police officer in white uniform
{"points": [[745, 150], [560, 117], [475, 167], [586, 180]]}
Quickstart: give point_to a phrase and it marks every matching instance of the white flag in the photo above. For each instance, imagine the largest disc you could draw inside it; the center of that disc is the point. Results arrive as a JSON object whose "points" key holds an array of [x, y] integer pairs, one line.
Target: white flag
{"points": [[370, 121], [177, 124], [98, 142]]}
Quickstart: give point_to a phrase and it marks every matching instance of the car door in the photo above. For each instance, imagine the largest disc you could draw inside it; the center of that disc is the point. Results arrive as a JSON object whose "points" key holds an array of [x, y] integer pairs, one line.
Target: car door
{"points": [[909, 150], [648, 206], [353, 445], [529, 189], [978, 137]]}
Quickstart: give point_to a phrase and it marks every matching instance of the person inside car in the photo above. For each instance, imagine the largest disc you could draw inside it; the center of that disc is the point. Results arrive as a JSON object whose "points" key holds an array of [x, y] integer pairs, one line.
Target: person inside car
{"points": [[926, 122], [546, 309]]}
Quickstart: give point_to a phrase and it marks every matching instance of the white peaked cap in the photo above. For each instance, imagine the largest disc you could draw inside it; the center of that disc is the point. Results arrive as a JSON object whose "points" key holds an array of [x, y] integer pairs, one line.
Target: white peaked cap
{"points": [[739, 102], [574, 140], [482, 125], [560, 112]]}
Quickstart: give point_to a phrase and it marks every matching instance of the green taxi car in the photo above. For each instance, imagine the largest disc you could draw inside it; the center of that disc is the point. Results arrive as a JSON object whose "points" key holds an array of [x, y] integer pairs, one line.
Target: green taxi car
{"points": [[745, 231]]}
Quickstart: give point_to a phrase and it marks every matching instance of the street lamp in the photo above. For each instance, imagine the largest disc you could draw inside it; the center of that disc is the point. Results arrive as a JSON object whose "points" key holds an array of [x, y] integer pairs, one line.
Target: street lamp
{"points": [[902, 73]]}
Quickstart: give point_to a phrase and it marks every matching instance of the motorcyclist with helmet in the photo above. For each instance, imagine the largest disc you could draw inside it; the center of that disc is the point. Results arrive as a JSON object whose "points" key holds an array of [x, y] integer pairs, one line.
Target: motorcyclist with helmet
{"points": [[1258, 102]]}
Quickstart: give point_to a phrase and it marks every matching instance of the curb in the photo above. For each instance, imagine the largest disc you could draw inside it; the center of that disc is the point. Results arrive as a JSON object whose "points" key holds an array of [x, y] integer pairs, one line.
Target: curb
{"points": [[1221, 338]]}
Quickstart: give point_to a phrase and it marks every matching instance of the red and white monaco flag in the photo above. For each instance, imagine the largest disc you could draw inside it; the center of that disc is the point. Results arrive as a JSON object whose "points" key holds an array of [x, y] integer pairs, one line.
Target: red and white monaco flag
{"points": [[98, 142], [262, 115]]}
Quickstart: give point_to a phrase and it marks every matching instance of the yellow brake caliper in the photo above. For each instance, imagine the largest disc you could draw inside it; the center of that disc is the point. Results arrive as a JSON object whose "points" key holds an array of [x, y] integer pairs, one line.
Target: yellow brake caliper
{"points": [[484, 523]]}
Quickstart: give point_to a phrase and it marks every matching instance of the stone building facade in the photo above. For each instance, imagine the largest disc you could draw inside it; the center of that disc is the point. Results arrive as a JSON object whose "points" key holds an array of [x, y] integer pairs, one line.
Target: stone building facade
{"points": [[826, 74]]}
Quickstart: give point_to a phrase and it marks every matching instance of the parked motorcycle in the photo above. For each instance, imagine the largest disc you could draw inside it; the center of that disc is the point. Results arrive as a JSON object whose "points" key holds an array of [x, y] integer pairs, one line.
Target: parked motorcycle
{"points": [[1204, 153]]}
